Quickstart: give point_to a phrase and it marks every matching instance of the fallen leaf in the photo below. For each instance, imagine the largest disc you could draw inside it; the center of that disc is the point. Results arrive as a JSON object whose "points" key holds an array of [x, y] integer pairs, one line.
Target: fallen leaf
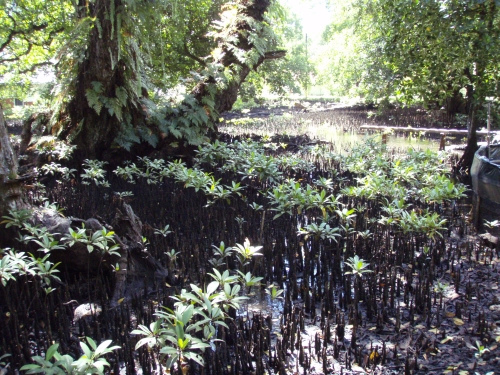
{"points": [[458, 321], [445, 340], [358, 369], [404, 325]]}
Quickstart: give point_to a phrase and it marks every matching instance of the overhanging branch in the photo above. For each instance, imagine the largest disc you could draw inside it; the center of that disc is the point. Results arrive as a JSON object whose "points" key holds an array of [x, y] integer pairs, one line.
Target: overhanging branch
{"points": [[274, 54]]}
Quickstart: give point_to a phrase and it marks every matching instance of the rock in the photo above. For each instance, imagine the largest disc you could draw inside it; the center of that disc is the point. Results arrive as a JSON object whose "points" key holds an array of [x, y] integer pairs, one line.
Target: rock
{"points": [[86, 309], [495, 312]]}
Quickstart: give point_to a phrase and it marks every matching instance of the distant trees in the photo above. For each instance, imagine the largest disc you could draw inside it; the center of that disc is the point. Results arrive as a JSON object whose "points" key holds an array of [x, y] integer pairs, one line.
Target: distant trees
{"points": [[439, 53], [291, 74]]}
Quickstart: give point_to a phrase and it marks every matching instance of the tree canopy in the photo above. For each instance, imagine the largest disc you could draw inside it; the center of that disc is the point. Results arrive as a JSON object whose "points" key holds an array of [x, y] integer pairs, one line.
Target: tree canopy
{"points": [[417, 51], [115, 60], [435, 53]]}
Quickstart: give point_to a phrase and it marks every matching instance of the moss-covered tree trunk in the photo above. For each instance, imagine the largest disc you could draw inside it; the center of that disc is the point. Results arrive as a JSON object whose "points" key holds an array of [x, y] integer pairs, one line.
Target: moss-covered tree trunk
{"points": [[105, 109], [10, 186], [106, 92]]}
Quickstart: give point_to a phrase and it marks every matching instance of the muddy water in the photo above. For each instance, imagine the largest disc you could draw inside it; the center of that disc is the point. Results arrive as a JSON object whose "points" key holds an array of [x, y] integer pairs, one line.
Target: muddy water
{"points": [[340, 127]]}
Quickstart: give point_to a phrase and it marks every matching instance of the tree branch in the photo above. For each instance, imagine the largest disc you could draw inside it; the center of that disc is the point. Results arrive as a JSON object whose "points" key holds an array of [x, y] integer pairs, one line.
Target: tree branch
{"points": [[191, 56], [275, 54]]}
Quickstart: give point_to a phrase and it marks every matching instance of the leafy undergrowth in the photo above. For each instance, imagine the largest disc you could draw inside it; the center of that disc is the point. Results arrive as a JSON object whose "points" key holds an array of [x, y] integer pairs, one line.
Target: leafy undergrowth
{"points": [[358, 263]]}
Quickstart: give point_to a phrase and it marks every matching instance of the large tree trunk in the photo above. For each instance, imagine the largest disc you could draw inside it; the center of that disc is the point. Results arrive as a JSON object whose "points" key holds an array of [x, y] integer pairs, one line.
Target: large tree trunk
{"points": [[465, 162], [105, 109], [10, 185], [477, 89], [106, 91], [235, 41]]}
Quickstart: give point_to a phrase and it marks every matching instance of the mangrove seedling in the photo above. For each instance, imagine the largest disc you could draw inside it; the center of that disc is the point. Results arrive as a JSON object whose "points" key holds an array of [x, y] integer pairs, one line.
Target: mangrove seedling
{"points": [[323, 231], [480, 349], [172, 256], [358, 266], [101, 239], [171, 334], [165, 231], [245, 252], [273, 292], [224, 277], [94, 172], [248, 279], [220, 253], [91, 362], [16, 218]]}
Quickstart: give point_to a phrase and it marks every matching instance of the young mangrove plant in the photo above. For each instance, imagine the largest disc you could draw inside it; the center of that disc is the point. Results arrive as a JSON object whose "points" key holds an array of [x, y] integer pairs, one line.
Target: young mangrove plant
{"points": [[170, 336], [165, 231], [274, 292], [102, 240], [94, 172], [91, 362], [358, 266], [246, 251]]}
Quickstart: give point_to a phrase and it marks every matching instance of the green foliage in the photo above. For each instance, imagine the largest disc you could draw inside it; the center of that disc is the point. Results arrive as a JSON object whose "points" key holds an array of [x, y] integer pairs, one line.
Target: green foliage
{"points": [[14, 264], [165, 231], [55, 168], [220, 253], [30, 34], [273, 292], [480, 349], [179, 334], [417, 51], [323, 231], [357, 265], [102, 240], [290, 74], [246, 252], [94, 172], [17, 218], [91, 362], [54, 149], [291, 197], [248, 280]]}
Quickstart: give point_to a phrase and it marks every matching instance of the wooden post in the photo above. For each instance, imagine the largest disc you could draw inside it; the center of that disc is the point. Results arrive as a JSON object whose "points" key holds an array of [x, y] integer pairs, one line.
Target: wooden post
{"points": [[476, 210], [489, 129], [442, 142]]}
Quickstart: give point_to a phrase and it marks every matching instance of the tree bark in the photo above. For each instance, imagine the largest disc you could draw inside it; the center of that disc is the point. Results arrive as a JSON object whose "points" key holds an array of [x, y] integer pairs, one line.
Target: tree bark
{"points": [[477, 89], [10, 185], [105, 73], [236, 38], [465, 161]]}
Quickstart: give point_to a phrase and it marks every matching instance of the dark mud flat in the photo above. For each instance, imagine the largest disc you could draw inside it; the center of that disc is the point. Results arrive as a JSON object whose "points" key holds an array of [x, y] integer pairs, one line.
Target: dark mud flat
{"points": [[420, 311]]}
